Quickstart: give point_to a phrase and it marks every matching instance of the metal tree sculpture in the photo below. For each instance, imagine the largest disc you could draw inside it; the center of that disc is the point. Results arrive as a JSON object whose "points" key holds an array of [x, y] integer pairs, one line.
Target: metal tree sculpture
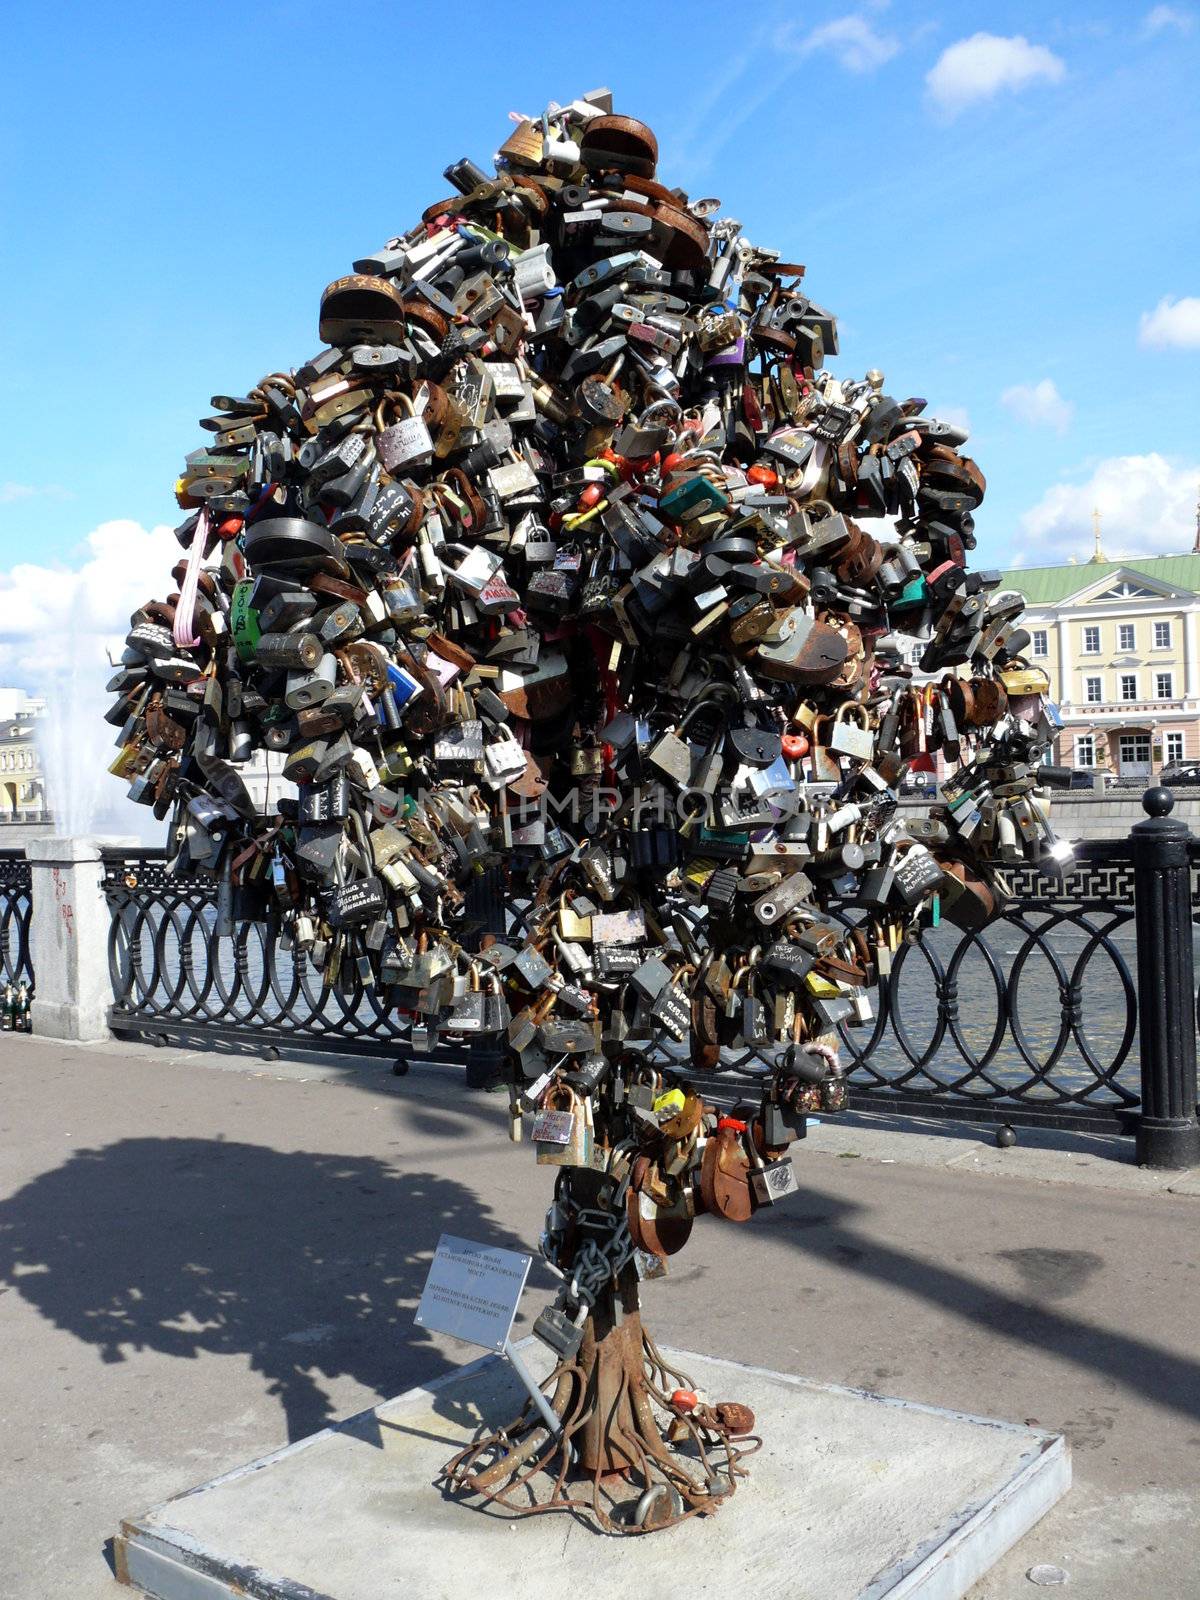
{"points": [[552, 562]]}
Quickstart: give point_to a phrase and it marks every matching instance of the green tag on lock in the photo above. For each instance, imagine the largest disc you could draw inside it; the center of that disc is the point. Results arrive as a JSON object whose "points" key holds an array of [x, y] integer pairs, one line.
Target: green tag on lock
{"points": [[914, 593], [243, 621]]}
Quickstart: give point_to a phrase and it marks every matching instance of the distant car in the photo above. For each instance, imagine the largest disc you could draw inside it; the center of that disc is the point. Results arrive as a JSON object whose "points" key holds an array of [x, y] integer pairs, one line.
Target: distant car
{"points": [[1180, 774], [1085, 778]]}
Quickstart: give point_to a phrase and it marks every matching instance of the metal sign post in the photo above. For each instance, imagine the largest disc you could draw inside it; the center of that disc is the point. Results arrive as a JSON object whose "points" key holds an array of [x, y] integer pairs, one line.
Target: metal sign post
{"points": [[472, 1293]]}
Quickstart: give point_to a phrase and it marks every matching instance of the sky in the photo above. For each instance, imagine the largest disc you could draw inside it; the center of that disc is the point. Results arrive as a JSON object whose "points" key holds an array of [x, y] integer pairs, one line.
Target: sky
{"points": [[998, 201]]}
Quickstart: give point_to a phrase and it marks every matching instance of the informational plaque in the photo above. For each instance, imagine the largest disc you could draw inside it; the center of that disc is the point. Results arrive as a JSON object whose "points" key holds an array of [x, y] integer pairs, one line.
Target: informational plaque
{"points": [[472, 1291]]}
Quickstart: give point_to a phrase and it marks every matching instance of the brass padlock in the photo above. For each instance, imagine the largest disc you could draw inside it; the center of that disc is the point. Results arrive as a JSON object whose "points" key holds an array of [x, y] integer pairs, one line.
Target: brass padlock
{"points": [[1020, 677]]}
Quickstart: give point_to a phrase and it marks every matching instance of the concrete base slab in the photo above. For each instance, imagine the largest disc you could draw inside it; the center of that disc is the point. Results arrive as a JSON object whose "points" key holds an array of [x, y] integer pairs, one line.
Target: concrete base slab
{"points": [[852, 1497]]}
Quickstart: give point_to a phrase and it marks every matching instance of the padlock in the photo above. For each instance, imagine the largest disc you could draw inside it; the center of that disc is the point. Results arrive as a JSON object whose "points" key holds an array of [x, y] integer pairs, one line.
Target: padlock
{"points": [[467, 1013], [670, 754], [554, 563], [563, 1128], [671, 1007], [851, 733], [406, 444], [503, 757]]}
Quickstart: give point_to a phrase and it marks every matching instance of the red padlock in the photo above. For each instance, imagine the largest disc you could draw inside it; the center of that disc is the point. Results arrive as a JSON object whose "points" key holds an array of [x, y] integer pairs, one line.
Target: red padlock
{"points": [[685, 1400], [795, 744]]}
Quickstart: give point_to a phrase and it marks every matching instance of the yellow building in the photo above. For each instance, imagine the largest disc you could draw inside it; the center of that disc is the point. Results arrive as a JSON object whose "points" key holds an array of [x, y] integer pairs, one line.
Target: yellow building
{"points": [[22, 787], [1121, 642]]}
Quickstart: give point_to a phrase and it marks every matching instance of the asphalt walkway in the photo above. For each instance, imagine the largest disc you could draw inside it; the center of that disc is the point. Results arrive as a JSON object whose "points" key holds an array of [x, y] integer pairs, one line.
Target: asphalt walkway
{"points": [[202, 1255]]}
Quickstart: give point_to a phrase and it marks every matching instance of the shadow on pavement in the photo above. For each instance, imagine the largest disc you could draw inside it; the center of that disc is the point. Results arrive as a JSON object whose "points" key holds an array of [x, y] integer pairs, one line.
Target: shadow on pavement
{"points": [[312, 1264], [307, 1263], [818, 1224]]}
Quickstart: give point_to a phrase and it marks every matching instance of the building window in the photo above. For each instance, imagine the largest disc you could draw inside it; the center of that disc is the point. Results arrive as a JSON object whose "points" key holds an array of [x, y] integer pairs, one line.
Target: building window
{"points": [[1174, 746], [1129, 686], [1162, 635], [1085, 750], [1163, 686], [1093, 691], [1126, 636], [1041, 642], [1091, 641]]}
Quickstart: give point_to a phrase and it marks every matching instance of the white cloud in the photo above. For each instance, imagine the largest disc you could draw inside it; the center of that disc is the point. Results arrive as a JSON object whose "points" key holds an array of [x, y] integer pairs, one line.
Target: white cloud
{"points": [[771, 58], [1164, 17], [1174, 323], [851, 40], [1039, 405], [982, 66], [56, 619], [1147, 507], [12, 493]]}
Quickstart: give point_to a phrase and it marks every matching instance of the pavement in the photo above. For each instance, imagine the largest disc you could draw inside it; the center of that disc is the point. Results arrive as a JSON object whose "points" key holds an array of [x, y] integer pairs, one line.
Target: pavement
{"points": [[203, 1255]]}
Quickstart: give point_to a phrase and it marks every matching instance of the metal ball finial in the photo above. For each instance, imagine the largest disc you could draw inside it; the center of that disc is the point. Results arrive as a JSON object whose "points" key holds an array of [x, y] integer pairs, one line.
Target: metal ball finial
{"points": [[1158, 802]]}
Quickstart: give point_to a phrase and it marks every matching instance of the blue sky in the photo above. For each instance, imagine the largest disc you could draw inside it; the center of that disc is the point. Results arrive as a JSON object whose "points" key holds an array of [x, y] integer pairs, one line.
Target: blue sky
{"points": [[998, 201]]}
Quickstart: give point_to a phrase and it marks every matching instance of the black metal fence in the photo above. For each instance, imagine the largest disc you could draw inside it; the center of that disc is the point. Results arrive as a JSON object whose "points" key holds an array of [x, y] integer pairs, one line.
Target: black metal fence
{"points": [[1032, 1020], [15, 907], [176, 971]]}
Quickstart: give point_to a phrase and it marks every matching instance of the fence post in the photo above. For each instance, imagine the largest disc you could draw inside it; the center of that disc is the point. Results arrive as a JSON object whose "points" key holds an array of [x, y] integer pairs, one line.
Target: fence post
{"points": [[485, 903], [1168, 1133], [68, 939]]}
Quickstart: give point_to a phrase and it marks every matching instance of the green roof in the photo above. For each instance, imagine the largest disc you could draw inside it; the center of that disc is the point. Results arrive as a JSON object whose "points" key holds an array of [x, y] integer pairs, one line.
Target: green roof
{"points": [[1045, 585]]}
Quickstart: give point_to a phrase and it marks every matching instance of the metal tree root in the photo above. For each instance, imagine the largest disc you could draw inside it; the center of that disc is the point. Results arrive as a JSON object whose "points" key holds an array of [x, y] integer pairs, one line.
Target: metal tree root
{"points": [[626, 1461]]}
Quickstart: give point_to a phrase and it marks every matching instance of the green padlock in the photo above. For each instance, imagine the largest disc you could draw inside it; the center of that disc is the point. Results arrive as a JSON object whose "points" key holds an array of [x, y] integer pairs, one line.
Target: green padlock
{"points": [[914, 593], [243, 621]]}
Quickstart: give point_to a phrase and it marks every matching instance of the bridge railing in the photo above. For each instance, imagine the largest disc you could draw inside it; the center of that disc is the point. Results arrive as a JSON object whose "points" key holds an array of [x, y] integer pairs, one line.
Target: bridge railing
{"points": [[1033, 1019]]}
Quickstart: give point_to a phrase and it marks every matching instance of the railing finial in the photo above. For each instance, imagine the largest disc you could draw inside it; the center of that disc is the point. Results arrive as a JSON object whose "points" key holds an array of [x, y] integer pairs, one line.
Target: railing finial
{"points": [[1158, 802]]}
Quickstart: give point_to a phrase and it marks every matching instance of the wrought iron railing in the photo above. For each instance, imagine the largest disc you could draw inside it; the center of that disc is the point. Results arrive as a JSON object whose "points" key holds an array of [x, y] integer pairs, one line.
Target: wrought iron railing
{"points": [[1032, 1019], [16, 965], [177, 971]]}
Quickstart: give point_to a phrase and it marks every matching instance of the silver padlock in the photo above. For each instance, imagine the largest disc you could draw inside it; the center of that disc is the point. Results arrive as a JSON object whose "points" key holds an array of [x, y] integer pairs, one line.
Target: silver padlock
{"points": [[503, 758], [476, 567], [853, 738], [310, 687], [406, 443], [773, 1180]]}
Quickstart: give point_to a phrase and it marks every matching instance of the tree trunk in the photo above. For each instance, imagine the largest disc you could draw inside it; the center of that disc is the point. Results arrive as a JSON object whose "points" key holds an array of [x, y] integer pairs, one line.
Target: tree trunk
{"points": [[611, 1357]]}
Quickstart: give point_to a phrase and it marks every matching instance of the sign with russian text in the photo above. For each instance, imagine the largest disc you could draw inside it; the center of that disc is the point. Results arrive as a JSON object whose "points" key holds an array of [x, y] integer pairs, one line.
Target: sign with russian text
{"points": [[472, 1291]]}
